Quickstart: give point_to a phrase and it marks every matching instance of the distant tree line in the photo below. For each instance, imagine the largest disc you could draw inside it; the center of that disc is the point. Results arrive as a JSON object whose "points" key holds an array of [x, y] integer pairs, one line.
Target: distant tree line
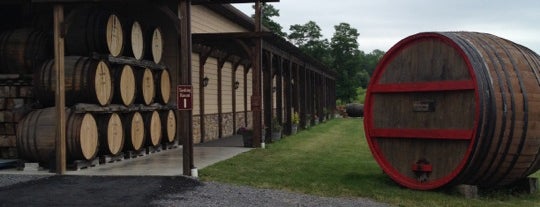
{"points": [[341, 53]]}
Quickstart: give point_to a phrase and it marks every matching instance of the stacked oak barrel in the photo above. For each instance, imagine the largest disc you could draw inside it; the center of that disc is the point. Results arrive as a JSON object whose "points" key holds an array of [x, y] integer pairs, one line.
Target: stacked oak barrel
{"points": [[117, 91], [21, 51]]}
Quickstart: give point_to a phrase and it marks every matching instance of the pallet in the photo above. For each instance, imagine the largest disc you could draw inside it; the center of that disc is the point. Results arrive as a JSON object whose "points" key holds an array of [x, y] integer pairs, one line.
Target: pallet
{"points": [[152, 149], [104, 159], [168, 146], [134, 154], [83, 164]]}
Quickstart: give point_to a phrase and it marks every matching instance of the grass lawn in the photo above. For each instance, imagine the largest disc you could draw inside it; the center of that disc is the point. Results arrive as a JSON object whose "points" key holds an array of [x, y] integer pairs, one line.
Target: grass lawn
{"points": [[333, 159]]}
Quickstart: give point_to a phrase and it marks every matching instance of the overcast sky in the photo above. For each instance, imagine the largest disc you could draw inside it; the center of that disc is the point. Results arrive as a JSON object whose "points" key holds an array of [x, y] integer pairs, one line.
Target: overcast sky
{"points": [[382, 23]]}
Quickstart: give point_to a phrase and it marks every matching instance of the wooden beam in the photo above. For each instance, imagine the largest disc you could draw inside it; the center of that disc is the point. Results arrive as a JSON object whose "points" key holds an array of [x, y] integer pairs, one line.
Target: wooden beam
{"points": [[198, 2], [60, 91], [267, 93], [288, 97], [279, 91], [185, 120], [256, 98]]}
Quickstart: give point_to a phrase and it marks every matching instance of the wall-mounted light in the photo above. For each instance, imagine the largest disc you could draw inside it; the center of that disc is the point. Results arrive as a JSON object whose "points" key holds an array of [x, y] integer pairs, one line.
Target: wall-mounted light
{"points": [[205, 81], [273, 89], [236, 85]]}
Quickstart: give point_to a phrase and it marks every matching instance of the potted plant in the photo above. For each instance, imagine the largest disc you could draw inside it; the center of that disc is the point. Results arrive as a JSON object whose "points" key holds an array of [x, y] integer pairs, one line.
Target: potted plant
{"points": [[276, 129], [295, 119], [308, 121], [247, 136]]}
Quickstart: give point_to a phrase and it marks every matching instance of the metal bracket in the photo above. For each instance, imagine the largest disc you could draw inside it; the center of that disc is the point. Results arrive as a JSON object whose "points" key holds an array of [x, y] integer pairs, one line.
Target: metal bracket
{"points": [[422, 169]]}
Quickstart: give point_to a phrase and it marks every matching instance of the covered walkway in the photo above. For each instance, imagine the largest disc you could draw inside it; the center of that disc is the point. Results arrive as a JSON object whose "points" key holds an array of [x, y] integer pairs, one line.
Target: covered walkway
{"points": [[164, 163]]}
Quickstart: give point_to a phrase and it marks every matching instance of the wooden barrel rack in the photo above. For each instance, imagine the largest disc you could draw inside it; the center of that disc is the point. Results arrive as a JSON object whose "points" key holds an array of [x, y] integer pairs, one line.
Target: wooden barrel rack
{"points": [[452, 108]]}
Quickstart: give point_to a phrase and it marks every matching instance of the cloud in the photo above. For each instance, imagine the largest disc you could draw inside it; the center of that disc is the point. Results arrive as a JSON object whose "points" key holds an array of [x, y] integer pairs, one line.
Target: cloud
{"points": [[383, 23]]}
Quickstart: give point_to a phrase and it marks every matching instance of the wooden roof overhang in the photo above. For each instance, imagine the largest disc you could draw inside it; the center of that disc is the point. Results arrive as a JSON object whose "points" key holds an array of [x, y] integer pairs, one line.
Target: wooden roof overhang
{"points": [[197, 2], [240, 43]]}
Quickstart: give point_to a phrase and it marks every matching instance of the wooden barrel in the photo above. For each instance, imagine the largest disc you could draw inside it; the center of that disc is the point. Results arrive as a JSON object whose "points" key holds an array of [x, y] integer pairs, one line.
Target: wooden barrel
{"points": [[124, 85], [134, 131], [86, 81], [36, 135], [94, 30], [135, 46], [163, 86], [111, 133], [146, 89], [455, 108], [155, 50], [168, 123], [152, 126], [355, 110], [22, 51]]}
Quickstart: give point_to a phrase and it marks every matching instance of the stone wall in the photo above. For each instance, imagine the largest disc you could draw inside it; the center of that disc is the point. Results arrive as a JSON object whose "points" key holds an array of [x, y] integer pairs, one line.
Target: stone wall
{"points": [[212, 127], [16, 100]]}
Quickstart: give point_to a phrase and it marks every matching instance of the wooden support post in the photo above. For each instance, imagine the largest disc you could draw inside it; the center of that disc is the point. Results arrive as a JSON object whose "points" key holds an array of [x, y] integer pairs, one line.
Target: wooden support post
{"points": [[256, 98], [221, 63], [246, 70], [233, 95], [288, 97], [60, 92], [279, 91], [185, 118], [267, 90]]}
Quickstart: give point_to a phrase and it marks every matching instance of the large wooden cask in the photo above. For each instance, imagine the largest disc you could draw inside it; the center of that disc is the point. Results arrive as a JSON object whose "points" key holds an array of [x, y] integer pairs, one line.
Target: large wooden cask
{"points": [[111, 133], [36, 135], [86, 81], [163, 86], [168, 123], [94, 30], [152, 126], [134, 131], [124, 85], [22, 51], [455, 108]]}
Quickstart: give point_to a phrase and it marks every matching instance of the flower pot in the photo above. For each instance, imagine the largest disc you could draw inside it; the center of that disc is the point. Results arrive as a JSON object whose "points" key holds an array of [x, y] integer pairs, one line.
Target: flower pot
{"points": [[248, 139], [276, 135], [294, 129]]}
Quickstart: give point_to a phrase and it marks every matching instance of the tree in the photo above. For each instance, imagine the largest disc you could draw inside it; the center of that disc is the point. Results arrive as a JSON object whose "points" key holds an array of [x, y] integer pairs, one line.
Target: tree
{"points": [[269, 11], [346, 61], [307, 37], [371, 60]]}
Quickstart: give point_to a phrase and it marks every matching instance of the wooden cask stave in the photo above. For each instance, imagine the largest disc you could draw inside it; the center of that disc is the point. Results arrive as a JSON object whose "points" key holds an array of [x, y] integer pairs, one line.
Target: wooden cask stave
{"points": [[454, 108], [22, 51], [168, 123], [152, 126], [87, 81], [134, 130], [111, 133], [124, 85], [92, 29], [36, 135]]}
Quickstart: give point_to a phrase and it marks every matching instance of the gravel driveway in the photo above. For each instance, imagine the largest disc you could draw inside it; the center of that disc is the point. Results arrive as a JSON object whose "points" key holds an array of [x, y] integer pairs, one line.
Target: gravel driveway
{"points": [[27, 190]]}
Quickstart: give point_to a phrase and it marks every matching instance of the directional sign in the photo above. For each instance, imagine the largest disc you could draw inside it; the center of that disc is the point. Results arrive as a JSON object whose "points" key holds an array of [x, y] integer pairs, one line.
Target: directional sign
{"points": [[184, 97]]}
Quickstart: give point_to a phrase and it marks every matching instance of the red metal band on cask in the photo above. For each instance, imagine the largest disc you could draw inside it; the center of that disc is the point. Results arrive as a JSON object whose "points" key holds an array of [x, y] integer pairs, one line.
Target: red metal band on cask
{"points": [[448, 134], [423, 87]]}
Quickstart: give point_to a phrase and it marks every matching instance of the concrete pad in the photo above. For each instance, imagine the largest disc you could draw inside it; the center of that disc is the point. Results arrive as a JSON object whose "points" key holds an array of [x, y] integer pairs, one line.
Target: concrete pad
{"points": [[164, 163]]}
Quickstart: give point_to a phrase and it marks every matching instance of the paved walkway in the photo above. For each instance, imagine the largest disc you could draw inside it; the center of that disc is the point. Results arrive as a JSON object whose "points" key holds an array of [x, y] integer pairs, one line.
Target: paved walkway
{"points": [[164, 163]]}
